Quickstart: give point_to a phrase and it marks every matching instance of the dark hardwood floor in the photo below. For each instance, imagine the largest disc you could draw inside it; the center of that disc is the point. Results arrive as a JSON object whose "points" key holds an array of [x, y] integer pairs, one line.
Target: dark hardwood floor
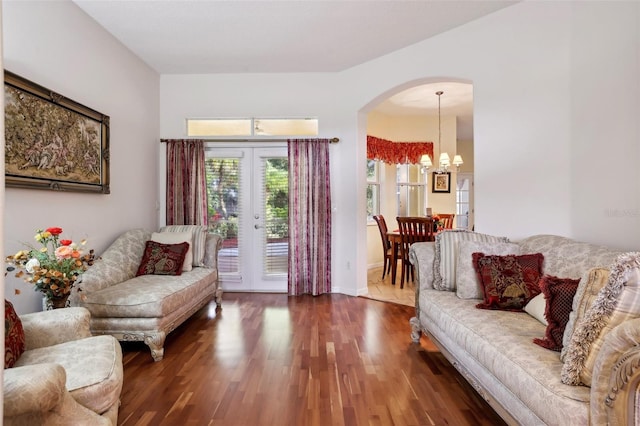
{"points": [[270, 359]]}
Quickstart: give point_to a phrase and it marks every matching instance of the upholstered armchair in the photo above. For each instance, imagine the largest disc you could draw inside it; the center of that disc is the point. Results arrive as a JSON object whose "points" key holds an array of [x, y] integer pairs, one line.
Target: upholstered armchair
{"points": [[64, 375]]}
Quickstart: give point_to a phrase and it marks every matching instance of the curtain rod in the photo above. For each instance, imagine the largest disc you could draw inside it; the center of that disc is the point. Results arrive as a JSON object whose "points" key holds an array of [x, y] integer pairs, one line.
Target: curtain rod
{"points": [[332, 140]]}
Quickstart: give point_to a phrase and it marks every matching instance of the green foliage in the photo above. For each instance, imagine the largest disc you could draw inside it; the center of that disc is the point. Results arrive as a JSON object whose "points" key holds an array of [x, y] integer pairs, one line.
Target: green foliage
{"points": [[223, 186]]}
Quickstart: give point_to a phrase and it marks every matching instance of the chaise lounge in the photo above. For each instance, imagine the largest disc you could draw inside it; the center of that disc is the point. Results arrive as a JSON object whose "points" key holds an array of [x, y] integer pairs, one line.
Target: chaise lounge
{"points": [[148, 307]]}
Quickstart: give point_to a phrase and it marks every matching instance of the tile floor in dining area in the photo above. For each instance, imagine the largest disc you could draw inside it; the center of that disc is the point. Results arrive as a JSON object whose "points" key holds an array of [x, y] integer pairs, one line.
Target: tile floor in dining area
{"points": [[383, 290]]}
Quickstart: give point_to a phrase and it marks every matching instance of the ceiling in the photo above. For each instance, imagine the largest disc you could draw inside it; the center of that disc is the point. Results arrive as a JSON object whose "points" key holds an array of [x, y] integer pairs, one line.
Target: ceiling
{"points": [[456, 99], [217, 36]]}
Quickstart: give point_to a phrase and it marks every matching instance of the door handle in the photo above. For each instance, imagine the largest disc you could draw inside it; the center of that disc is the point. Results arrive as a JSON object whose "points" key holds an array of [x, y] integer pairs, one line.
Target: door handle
{"points": [[258, 226]]}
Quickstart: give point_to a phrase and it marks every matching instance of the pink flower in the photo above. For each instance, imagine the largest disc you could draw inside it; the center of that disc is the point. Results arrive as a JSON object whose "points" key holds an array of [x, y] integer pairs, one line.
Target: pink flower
{"points": [[64, 252]]}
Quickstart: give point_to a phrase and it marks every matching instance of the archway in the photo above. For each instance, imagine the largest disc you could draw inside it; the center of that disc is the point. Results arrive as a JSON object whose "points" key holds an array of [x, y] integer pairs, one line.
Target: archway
{"points": [[409, 113]]}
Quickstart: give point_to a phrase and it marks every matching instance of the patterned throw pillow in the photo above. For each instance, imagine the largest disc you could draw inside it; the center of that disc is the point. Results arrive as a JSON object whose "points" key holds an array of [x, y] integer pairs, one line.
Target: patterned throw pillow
{"points": [[175, 238], [162, 259], [558, 292], [199, 233], [13, 336], [508, 282], [467, 284], [446, 255], [590, 285], [617, 302]]}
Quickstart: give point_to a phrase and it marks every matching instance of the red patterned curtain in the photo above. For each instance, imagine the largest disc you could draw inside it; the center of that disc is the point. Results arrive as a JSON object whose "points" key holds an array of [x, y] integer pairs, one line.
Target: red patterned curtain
{"points": [[397, 152], [309, 217], [186, 182]]}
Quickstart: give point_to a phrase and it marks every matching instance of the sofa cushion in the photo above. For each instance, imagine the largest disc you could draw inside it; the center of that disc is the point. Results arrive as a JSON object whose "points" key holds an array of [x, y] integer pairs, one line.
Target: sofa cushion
{"points": [[93, 367], [199, 234], [467, 284], [149, 296], [558, 293], [446, 254], [590, 285], [617, 302], [14, 341], [162, 259], [509, 281], [175, 238]]}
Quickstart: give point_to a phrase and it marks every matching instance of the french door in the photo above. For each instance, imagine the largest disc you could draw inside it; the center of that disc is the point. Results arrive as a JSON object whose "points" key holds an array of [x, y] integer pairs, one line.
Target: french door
{"points": [[248, 204], [464, 201]]}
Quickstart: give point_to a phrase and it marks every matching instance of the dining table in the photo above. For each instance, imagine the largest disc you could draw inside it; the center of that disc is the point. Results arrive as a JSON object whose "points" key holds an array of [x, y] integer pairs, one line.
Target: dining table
{"points": [[395, 240]]}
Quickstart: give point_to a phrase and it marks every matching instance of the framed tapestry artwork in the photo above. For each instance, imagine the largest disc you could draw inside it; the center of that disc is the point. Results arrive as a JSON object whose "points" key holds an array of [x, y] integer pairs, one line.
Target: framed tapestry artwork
{"points": [[441, 182], [52, 142]]}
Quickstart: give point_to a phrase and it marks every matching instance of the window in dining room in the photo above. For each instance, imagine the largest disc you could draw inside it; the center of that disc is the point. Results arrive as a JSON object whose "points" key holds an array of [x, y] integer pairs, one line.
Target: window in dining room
{"points": [[373, 189], [411, 190]]}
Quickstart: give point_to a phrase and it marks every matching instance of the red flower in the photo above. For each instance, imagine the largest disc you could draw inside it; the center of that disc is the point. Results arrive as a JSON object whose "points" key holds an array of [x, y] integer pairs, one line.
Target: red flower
{"points": [[66, 242], [54, 231]]}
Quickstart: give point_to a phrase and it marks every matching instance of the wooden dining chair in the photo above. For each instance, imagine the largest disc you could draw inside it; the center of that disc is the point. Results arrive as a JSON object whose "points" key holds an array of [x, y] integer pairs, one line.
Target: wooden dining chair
{"points": [[387, 247], [447, 220], [412, 230]]}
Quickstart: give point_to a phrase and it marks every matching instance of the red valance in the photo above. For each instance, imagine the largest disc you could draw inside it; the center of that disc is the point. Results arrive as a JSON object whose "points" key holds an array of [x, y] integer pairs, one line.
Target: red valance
{"points": [[397, 152]]}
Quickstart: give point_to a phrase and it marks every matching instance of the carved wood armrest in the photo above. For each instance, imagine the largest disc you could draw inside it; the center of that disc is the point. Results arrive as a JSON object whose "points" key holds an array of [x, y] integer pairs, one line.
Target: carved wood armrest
{"points": [[615, 386]]}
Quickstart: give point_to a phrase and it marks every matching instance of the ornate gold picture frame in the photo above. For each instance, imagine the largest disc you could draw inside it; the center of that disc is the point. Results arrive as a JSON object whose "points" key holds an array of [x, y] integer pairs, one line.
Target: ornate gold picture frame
{"points": [[52, 142]]}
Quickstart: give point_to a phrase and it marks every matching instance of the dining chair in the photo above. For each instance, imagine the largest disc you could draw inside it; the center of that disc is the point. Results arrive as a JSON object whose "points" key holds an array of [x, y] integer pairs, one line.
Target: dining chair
{"points": [[387, 247], [447, 220], [412, 230]]}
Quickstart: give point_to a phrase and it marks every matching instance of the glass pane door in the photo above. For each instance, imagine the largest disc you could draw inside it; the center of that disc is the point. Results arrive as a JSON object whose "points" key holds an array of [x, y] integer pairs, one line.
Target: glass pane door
{"points": [[271, 218], [248, 205], [464, 201]]}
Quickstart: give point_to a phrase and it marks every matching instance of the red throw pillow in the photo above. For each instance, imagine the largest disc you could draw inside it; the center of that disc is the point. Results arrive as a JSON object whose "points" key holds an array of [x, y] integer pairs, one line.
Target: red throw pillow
{"points": [[558, 292], [13, 336], [508, 282], [162, 259]]}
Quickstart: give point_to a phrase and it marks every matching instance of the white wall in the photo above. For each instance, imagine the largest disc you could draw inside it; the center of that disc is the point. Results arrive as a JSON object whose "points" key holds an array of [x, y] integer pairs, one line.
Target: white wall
{"points": [[58, 46], [529, 117], [605, 123]]}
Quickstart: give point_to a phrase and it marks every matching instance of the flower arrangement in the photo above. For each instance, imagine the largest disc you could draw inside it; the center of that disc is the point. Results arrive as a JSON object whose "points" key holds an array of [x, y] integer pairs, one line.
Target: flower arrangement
{"points": [[437, 223], [54, 268]]}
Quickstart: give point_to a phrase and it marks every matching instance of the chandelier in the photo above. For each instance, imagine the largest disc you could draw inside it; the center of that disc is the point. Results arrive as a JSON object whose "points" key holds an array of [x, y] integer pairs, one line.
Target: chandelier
{"points": [[444, 161]]}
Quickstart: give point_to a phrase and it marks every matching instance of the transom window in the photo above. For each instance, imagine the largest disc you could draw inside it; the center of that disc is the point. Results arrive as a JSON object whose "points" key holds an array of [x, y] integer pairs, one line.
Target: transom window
{"points": [[252, 126]]}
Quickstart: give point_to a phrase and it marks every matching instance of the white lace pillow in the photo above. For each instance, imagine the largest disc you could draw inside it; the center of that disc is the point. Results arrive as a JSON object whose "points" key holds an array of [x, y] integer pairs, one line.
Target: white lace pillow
{"points": [[467, 284], [536, 308], [590, 285], [446, 253], [617, 302], [176, 238]]}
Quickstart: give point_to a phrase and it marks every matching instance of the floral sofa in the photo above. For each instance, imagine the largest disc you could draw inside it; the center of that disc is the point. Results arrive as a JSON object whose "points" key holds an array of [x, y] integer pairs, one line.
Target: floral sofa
{"points": [[57, 373], [594, 379], [148, 307]]}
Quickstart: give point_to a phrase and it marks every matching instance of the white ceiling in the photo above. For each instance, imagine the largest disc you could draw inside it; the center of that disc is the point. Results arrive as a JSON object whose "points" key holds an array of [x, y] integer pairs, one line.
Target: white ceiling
{"points": [[217, 36], [456, 99], [236, 36]]}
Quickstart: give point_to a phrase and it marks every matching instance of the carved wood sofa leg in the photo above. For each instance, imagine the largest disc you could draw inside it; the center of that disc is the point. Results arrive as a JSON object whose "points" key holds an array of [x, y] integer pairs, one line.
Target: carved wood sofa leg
{"points": [[416, 331], [218, 297], [155, 342]]}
